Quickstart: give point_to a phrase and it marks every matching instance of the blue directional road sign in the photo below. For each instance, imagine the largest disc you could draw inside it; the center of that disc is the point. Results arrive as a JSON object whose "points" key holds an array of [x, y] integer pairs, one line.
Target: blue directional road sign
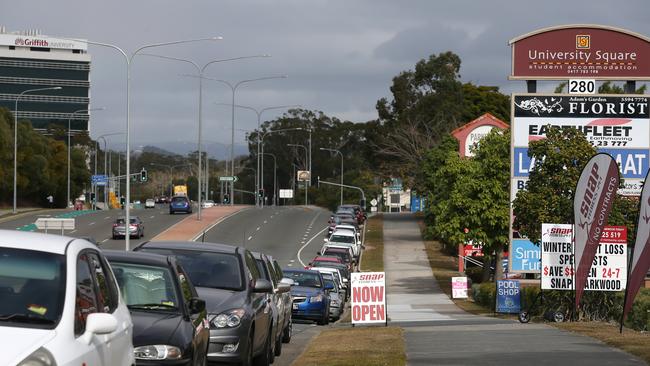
{"points": [[99, 179]]}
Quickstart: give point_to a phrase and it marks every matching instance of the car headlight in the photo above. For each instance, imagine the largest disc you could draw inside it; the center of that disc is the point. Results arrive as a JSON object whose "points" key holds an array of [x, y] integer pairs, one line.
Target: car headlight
{"points": [[157, 352], [335, 302], [40, 357], [228, 319], [317, 298]]}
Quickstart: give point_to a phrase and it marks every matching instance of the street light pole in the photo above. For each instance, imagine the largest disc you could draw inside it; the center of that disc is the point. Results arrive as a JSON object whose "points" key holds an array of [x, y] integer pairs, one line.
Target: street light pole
{"points": [[262, 144], [307, 162], [275, 175], [340, 153], [70, 147], [129, 61], [15, 210]]}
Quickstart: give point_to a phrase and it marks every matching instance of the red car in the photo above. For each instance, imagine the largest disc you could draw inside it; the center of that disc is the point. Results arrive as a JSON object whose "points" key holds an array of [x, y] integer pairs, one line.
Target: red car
{"points": [[326, 259]]}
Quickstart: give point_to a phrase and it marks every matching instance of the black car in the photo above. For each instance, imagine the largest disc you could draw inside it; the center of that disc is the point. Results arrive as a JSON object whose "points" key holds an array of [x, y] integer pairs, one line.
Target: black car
{"points": [[180, 204], [236, 296], [170, 323]]}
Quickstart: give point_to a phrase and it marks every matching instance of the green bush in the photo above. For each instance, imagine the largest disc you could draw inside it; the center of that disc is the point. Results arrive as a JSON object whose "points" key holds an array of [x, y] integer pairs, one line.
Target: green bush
{"points": [[484, 294], [639, 316], [475, 274]]}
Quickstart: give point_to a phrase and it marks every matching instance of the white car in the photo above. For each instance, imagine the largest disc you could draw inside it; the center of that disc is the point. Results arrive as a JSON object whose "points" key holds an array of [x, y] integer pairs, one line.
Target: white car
{"points": [[351, 228], [345, 237], [60, 304], [150, 203], [207, 204]]}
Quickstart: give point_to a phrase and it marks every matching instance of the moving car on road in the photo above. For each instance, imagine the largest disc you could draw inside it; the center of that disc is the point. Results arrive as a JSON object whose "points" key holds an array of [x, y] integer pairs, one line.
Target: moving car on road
{"points": [[60, 304], [207, 204], [311, 300], [180, 204], [170, 321], [228, 279], [136, 228], [150, 203]]}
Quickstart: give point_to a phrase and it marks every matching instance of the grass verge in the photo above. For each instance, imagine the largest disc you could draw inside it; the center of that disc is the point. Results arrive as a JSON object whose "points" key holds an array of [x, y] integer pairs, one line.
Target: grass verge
{"points": [[370, 346], [373, 255], [630, 341]]}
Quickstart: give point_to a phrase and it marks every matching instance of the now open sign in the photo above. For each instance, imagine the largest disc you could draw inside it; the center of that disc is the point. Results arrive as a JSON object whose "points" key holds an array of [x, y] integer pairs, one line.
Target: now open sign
{"points": [[368, 297]]}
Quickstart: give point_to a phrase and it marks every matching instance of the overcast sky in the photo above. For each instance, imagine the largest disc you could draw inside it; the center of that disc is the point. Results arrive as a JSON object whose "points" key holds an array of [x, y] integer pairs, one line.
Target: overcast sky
{"points": [[340, 55]]}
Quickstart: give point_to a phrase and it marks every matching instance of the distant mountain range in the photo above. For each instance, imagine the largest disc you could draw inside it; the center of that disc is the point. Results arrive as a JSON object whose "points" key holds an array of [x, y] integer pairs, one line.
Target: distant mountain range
{"points": [[215, 150]]}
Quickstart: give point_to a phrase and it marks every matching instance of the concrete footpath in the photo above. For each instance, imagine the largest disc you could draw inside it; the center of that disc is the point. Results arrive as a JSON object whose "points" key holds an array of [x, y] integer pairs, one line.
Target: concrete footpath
{"points": [[437, 332], [190, 228]]}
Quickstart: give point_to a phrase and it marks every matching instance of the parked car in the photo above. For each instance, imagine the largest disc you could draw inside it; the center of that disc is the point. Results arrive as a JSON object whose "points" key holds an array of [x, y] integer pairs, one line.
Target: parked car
{"points": [[358, 212], [180, 204], [275, 299], [136, 227], [170, 324], [310, 295], [344, 253], [340, 219], [60, 304], [336, 301], [228, 279], [322, 258], [342, 267], [339, 278], [207, 203], [352, 228], [286, 298], [149, 203], [345, 237]]}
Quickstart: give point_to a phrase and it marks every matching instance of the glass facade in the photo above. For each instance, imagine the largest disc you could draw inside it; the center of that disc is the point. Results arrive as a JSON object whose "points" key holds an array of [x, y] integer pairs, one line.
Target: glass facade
{"points": [[50, 107]]}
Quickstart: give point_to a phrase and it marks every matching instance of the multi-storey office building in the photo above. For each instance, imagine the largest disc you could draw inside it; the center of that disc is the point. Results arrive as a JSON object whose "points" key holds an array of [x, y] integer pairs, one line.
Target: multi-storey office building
{"points": [[28, 61]]}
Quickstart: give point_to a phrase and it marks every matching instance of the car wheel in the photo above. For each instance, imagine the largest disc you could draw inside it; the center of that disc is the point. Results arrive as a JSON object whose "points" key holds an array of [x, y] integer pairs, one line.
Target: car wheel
{"points": [[278, 346], [247, 360], [114, 237], [286, 334], [264, 359]]}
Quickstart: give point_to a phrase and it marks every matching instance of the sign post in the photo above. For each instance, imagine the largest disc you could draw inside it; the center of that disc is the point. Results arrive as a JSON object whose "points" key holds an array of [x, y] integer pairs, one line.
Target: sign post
{"points": [[368, 304]]}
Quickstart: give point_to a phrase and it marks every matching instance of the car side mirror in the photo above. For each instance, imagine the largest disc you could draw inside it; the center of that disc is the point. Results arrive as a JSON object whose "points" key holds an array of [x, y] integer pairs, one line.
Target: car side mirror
{"points": [[263, 286], [196, 305], [99, 324], [284, 287]]}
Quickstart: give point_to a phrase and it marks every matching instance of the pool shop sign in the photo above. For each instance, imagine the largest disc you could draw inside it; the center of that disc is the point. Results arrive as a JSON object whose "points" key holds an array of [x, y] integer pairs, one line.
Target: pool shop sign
{"points": [[618, 125]]}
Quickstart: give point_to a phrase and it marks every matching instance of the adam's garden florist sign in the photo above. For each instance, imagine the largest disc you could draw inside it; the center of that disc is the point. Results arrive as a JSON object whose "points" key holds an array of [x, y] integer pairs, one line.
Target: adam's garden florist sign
{"points": [[608, 270], [368, 297], [618, 125]]}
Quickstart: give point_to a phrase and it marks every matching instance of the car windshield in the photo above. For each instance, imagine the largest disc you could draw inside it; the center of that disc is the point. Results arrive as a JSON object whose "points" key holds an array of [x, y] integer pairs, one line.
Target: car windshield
{"points": [[122, 220], [345, 258], [179, 199], [146, 287], [207, 269], [328, 279], [306, 279], [342, 239], [32, 288]]}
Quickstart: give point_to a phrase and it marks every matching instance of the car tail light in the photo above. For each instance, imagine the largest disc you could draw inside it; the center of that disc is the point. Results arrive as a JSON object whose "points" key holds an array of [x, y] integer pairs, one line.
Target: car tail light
{"points": [[114, 225], [134, 225]]}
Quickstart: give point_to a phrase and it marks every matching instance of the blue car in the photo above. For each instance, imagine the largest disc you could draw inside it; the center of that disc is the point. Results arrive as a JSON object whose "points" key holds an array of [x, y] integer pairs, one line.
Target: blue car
{"points": [[310, 295], [180, 204]]}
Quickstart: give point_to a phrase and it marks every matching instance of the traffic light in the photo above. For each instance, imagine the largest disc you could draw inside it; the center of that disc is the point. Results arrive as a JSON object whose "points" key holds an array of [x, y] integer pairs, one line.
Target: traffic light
{"points": [[226, 198], [260, 193], [143, 175]]}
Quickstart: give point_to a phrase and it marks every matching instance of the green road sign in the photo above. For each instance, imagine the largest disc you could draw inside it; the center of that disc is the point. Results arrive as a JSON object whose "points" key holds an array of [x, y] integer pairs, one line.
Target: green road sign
{"points": [[228, 179]]}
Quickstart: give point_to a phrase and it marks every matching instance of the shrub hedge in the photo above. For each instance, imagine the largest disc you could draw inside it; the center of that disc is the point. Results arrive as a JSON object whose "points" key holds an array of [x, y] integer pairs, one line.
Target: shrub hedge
{"points": [[596, 305]]}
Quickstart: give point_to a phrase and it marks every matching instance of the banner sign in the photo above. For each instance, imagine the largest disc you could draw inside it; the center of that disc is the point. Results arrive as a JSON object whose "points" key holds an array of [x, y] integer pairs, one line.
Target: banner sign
{"points": [[581, 51], [473, 250], [508, 297], [641, 254], [459, 287], [592, 202], [608, 270], [617, 125], [368, 297], [286, 193], [525, 256]]}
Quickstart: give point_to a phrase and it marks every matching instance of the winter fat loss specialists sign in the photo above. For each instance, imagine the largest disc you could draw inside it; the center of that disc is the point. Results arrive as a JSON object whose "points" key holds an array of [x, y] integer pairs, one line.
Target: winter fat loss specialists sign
{"points": [[618, 125], [368, 297]]}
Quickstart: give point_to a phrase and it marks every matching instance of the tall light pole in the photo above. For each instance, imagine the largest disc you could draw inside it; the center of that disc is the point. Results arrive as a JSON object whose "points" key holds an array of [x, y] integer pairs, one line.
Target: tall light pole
{"points": [[16, 137], [275, 176], [306, 166], [70, 146], [129, 61], [340, 153], [233, 88], [259, 119], [103, 137], [200, 71], [262, 143]]}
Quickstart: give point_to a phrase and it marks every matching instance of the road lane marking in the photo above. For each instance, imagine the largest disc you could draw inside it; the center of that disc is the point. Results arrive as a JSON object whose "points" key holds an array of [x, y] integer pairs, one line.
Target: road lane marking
{"points": [[107, 217], [152, 216], [258, 229], [250, 237], [92, 223], [265, 221], [292, 260], [73, 231], [308, 242], [105, 240], [290, 265]]}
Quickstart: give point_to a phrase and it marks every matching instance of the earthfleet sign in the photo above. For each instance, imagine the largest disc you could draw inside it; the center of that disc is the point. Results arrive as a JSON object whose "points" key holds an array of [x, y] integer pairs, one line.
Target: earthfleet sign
{"points": [[609, 268], [618, 125], [581, 51], [368, 297]]}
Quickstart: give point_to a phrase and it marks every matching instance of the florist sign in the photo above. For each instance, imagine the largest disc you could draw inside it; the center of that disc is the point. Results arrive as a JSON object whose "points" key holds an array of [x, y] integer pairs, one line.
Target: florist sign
{"points": [[581, 51]]}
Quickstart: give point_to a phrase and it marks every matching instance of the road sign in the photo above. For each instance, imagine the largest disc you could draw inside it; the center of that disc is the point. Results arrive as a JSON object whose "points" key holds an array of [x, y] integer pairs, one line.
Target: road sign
{"points": [[303, 175], [286, 193], [228, 179], [373, 202], [99, 178]]}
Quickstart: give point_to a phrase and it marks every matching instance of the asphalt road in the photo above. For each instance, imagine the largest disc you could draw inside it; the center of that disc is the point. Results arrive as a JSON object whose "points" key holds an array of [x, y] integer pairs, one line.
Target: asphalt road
{"points": [[290, 234], [98, 224]]}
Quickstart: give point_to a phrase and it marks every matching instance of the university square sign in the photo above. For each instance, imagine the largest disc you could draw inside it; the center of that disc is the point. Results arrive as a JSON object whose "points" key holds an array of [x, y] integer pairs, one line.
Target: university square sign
{"points": [[581, 51]]}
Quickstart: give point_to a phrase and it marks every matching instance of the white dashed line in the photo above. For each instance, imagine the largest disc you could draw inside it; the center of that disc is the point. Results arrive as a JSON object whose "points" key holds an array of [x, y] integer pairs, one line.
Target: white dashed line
{"points": [[73, 231], [265, 221], [290, 265], [105, 240], [250, 237], [258, 229], [292, 260], [92, 223], [107, 217], [152, 216]]}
